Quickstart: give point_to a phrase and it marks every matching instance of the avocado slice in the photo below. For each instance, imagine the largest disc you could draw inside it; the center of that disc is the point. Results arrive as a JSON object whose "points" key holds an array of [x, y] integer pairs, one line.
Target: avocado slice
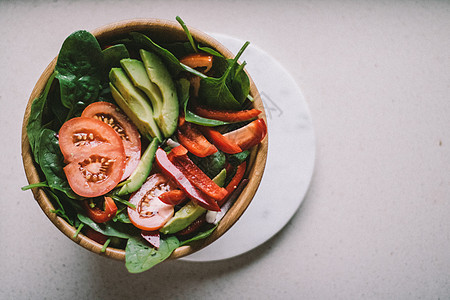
{"points": [[135, 70], [159, 75], [142, 171], [189, 212], [134, 103]]}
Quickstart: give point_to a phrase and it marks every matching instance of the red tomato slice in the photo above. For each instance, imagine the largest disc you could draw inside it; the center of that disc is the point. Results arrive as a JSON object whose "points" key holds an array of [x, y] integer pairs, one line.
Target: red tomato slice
{"points": [[95, 155], [114, 117], [249, 135], [151, 213]]}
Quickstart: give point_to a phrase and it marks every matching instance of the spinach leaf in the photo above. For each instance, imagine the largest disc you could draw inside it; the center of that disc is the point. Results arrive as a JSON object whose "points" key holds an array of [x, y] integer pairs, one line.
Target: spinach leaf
{"points": [[35, 120], [240, 83], [112, 56], [183, 98], [52, 163], [172, 63], [211, 165], [214, 92], [140, 256], [186, 30], [111, 229], [66, 208], [200, 236], [79, 69]]}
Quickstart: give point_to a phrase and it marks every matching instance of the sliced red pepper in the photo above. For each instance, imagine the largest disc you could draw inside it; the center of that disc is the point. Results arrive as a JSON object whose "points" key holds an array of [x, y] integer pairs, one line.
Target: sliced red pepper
{"points": [[178, 151], [249, 135], [198, 60], [190, 137], [173, 197], [198, 178], [234, 183], [220, 141], [227, 115], [98, 215], [169, 169]]}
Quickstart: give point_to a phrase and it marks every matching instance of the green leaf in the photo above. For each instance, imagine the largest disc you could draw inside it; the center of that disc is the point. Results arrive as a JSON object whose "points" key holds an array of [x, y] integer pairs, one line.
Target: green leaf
{"points": [[80, 67], [186, 30], [52, 163], [35, 120], [200, 236], [214, 92], [172, 63], [120, 230], [183, 94], [140, 256]]}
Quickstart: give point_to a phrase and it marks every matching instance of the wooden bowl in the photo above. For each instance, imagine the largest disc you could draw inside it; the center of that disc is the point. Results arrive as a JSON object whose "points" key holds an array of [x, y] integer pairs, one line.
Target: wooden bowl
{"points": [[159, 31]]}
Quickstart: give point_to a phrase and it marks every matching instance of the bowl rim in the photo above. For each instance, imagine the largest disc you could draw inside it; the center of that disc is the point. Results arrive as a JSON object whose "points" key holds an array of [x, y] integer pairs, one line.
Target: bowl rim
{"points": [[254, 171]]}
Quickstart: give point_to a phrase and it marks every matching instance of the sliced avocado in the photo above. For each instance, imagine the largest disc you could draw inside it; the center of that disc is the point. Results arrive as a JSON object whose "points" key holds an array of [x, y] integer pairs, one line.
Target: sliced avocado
{"points": [[189, 212], [159, 75], [142, 171], [183, 218], [135, 70], [134, 103]]}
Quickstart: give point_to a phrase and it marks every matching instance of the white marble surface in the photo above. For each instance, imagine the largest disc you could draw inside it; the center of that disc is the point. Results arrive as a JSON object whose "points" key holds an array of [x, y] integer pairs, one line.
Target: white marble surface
{"points": [[375, 221]]}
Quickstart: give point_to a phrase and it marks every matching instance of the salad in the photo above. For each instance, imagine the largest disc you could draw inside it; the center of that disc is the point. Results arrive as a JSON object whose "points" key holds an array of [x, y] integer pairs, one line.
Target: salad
{"points": [[143, 146]]}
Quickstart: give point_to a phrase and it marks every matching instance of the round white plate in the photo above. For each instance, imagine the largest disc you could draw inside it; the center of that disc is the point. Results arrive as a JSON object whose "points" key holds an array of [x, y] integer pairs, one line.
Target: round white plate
{"points": [[290, 160]]}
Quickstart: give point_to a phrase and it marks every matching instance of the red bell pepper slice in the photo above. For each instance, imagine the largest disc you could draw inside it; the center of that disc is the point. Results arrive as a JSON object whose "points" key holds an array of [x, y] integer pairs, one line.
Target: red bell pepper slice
{"points": [[169, 169], [198, 178], [173, 197], [220, 141], [98, 215], [227, 115], [198, 60], [234, 183], [249, 135], [193, 140]]}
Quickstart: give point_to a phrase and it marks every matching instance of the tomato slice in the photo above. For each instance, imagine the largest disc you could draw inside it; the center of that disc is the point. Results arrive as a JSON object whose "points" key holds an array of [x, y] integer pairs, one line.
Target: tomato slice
{"points": [[151, 213], [95, 155], [249, 135], [128, 132]]}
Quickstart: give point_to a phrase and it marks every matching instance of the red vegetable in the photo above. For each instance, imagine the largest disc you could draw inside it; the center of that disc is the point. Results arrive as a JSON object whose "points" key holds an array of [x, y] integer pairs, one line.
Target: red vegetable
{"points": [[95, 155], [168, 168], [114, 117], [99, 215], [151, 213], [198, 178], [231, 187], [198, 60], [95, 235], [249, 135], [173, 197], [227, 115], [220, 141], [194, 226], [192, 139]]}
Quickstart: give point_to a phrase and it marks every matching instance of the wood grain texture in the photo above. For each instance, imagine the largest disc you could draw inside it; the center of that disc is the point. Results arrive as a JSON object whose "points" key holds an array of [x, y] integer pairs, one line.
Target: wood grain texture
{"points": [[160, 31]]}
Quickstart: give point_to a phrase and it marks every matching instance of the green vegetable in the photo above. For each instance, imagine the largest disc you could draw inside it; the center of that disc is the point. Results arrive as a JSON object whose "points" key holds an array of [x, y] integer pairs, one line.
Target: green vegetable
{"points": [[211, 165], [215, 92], [52, 163], [200, 235], [142, 171], [183, 92], [35, 120], [79, 70], [134, 103], [140, 256], [112, 56], [113, 229]]}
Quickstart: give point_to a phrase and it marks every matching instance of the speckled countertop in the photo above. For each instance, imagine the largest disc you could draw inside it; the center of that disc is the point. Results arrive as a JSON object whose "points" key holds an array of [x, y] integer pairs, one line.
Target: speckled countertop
{"points": [[375, 223]]}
